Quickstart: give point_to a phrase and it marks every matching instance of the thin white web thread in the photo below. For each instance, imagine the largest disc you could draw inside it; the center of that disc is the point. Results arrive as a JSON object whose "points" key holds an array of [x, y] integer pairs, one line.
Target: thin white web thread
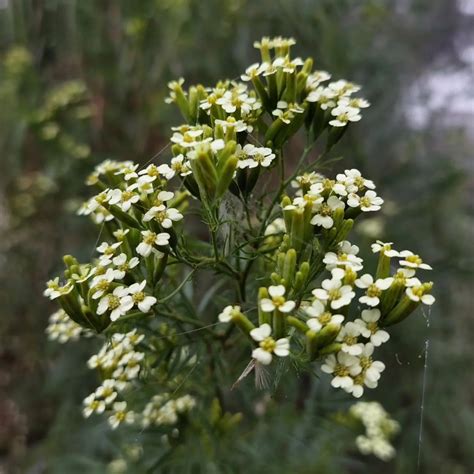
{"points": [[423, 390]]}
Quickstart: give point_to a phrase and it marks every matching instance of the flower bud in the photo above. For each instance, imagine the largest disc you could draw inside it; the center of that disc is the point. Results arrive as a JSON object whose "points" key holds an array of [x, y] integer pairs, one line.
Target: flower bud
{"points": [[289, 267], [226, 175], [263, 316]]}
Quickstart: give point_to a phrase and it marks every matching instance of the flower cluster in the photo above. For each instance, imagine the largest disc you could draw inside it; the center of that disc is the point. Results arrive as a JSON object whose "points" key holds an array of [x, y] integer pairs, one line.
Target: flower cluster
{"points": [[120, 364], [379, 429], [315, 301], [164, 410], [62, 329]]}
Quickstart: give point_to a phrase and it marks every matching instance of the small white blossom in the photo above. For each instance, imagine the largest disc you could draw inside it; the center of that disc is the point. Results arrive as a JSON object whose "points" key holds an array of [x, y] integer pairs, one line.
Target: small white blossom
{"points": [[137, 297], [121, 415], [277, 300], [268, 345], [370, 328], [368, 203], [227, 313], [323, 216], [150, 239], [333, 291], [385, 248], [373, 288], [343, 367], [412, 260]]}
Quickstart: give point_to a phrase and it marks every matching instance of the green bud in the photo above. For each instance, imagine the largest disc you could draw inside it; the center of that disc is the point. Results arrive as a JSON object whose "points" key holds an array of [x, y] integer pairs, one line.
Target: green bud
{"points": [[274, 129], [262, 94], [311, 345], [193, 104], [327, 335], [403, 309], [297, 229], [243, 323], [344, 230], [123, 216], [383, 266], [297, 323], [338, 217], [226, 175], [279, 324], [289, 266], [263, 316], [275, 278], [224, 154], [330, 349]]}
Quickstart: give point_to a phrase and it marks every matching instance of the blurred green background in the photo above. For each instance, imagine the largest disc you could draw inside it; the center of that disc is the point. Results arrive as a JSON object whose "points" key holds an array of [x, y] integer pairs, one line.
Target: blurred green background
{"points": [[83, 81]]}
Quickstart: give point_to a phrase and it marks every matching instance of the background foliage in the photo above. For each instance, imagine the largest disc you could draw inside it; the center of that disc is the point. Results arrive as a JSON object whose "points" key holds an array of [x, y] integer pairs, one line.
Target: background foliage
{"points": [[85, 81]]}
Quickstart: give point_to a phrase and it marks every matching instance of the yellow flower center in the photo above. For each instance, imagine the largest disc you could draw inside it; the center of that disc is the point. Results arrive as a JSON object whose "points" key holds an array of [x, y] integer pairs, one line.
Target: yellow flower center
{"points": [[334, 294], [114, 302], [341, 370], [138, 297], [372, 327], [416, 259], [278, 301], [365, 362], [350, 340], [373, 291], [268, 344], [365, 202], [325, 318], [150, 238]]}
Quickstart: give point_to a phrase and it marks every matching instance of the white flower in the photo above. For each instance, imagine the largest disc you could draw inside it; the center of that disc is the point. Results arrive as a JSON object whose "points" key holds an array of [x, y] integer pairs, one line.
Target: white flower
{"points": [[368, 203], [122, 266], [268, 345], [106, 391], [257, 156], [349, 335], [227, 313], [121, 415], [417, 292], [320, 317], [341, 259], [165, 216], [285, 111], [370, 328], [371, 369], [353, 181], [412, 260], [124, 199], [277, 300], [237, 125], [115, 303], [92, 405], [344, 114], [55, 290], [101, 283], [315, 78], [323, 96], [254, 71], [108, 251], [385, 248], [276, 227], [129, 171], [373, 288], [136, 297], [323, 216], [343, 87], [150, 239], [343, 367], [335, 292], [189, 138], [178, 165]]}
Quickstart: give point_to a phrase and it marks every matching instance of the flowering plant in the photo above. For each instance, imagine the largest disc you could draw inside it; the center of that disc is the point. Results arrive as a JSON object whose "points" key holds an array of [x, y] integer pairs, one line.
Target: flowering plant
{"points": [[231, 234]]}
